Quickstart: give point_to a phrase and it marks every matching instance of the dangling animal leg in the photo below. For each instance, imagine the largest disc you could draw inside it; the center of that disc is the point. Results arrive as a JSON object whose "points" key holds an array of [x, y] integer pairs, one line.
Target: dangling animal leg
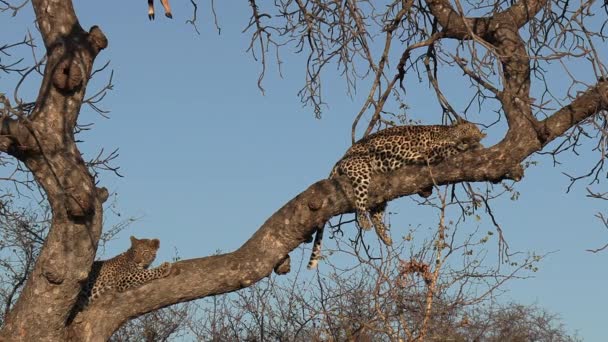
{"points": [[167, 8], [377, 216], [358, 170], [151, 9]]}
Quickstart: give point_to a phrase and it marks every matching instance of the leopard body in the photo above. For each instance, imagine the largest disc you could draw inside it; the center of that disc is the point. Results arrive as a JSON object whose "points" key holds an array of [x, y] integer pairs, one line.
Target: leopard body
{"points": [[388, 150], [124, 271]]}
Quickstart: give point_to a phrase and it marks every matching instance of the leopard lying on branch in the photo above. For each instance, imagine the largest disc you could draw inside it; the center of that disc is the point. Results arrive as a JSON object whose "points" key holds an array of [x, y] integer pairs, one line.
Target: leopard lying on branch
{"points": [[388, 150]]}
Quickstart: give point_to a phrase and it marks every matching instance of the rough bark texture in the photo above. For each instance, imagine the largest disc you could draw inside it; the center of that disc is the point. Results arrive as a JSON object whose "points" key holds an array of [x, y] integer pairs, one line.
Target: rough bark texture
{"points": [[45, 143]]}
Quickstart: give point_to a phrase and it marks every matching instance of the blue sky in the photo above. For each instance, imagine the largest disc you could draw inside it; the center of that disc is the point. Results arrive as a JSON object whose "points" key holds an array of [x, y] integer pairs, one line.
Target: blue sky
{"points": [[207, 159]]}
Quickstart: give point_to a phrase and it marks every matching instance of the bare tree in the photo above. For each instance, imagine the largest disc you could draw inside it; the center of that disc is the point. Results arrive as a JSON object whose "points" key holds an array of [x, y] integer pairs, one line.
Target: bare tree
{"points": [[499, 47], [166, 324], [365, 297]]}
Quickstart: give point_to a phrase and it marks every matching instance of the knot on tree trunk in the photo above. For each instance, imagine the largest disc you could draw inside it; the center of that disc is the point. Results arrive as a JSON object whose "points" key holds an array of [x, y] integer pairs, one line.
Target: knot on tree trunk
{"points": [[315, 204], [284, 266], [426, 192], [54, 273], [516, 173], [102, 194], [68, 74], [97, 39], [79, 193]]}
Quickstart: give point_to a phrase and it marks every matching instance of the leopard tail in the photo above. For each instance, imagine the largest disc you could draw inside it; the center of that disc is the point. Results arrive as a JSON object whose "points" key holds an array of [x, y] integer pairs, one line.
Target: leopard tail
{"points": [[315, 256]]}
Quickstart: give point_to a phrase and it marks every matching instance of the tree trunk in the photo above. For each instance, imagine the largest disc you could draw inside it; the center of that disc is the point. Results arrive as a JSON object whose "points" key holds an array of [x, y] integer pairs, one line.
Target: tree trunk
{"points": [[44, 142]]}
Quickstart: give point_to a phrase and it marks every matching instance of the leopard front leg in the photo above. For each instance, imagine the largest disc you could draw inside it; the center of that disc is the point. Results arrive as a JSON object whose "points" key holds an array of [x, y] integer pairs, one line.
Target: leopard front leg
{"points": [[359, 170], [377, 216], [140, 277]]}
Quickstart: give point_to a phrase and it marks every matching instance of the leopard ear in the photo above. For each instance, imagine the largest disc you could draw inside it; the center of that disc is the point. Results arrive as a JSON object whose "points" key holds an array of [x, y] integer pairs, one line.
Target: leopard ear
{"points": [[156, 243], [133, 239]]}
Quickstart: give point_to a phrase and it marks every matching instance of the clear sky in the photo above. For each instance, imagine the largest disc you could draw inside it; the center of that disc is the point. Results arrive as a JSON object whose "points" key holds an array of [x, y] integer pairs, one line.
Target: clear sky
{"points": [[207, 158]]}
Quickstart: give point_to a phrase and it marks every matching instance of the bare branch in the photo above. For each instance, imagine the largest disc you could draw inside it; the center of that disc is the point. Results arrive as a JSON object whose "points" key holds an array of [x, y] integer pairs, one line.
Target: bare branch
{"points": [[298, 219]]}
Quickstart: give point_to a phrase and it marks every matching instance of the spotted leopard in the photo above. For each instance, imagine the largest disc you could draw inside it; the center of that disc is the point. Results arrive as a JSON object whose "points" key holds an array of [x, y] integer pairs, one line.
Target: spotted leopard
{"points": [[388, 150], [124, 271]]}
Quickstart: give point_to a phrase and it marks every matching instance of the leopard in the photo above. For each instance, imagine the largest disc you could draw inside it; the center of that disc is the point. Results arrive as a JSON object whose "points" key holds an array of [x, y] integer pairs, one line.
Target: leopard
{"points": [[124, 271], [388, 150]]}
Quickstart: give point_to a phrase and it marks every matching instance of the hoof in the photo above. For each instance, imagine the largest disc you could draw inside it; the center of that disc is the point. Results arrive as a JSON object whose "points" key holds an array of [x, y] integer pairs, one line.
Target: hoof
{"points": [[169, 15], [151, 16]]}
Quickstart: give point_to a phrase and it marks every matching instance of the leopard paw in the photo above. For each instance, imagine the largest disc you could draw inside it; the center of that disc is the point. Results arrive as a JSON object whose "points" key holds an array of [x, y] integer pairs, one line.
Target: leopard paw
{"points": [[363, 221], [165, 269], [382, 233]]}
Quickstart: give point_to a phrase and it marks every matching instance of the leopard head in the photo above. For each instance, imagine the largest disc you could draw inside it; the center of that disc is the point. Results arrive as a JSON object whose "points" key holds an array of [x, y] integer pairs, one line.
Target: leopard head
{"points": [[144, 251], [467, 133]]}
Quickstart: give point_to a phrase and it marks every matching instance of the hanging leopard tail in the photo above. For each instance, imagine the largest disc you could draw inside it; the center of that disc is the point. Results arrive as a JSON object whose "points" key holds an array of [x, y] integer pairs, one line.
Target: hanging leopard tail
{"points": [[315, 256]]}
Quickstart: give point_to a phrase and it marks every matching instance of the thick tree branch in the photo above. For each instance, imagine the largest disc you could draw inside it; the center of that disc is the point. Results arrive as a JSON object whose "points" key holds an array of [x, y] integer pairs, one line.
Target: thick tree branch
{"points": [[15, 138], [296, 221], [455, 26], [585, 105], [500, 34], [522, 11]]}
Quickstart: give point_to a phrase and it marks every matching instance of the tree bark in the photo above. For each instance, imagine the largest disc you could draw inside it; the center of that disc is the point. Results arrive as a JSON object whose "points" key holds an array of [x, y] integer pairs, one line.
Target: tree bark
{"points": [[44, 141]]}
